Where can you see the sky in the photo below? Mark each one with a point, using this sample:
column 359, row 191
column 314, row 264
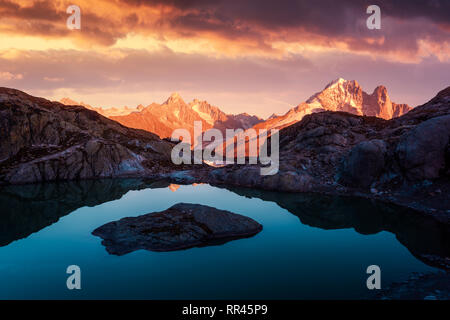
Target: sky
column 254, row 56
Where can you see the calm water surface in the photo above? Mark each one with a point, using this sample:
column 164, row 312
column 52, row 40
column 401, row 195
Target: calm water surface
column 311, row 247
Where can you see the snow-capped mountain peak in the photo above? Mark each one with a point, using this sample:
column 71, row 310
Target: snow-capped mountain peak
column 174, row 98
column 341, row 95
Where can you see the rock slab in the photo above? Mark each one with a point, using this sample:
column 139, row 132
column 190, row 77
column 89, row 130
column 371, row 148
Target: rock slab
column 179, row 227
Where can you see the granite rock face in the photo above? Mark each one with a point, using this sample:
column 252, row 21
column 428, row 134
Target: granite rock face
column 48, row 141
column 181, row 226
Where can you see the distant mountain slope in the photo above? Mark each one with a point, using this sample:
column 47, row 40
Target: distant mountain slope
column 341, row 95
column 107, row 112
column 163, row 119
column 174, row 113
column 45, row 141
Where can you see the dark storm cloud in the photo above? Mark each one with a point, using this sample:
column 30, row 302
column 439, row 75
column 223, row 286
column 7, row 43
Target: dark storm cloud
column 255, row 24
column 322, row 15
column 323, row 22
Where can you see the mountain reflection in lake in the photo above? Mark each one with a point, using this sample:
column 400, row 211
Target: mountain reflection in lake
column 312, row 246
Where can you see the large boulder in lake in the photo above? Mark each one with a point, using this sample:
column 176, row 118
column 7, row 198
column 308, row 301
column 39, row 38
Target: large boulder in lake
column 181, row 226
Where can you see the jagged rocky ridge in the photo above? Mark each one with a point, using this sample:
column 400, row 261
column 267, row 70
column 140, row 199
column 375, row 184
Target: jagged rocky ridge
column 175, row 113
column 340, row 95
column 46, row 141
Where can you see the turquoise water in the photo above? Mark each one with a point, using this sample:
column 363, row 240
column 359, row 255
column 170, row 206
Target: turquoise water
column 322, row 257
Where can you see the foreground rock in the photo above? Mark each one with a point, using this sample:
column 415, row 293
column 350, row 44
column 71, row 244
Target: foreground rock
column 179, row 227
column 48, row 141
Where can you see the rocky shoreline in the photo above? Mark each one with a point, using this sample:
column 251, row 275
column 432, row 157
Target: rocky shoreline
column 419, row 286
column 430, row 203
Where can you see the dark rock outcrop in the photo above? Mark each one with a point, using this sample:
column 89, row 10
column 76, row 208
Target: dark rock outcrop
column 48, row 141
column 422, row 151
column 181, row 226
column 419, row 286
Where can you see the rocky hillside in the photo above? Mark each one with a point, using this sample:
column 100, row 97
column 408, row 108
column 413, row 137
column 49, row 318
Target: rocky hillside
column 44, row 141
column 404, row 160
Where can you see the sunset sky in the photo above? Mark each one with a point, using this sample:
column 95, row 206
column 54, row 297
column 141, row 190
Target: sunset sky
column 257, row 56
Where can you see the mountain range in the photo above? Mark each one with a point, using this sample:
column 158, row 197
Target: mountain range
column 174, row 113
column 162, row 119
column 339, row 95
